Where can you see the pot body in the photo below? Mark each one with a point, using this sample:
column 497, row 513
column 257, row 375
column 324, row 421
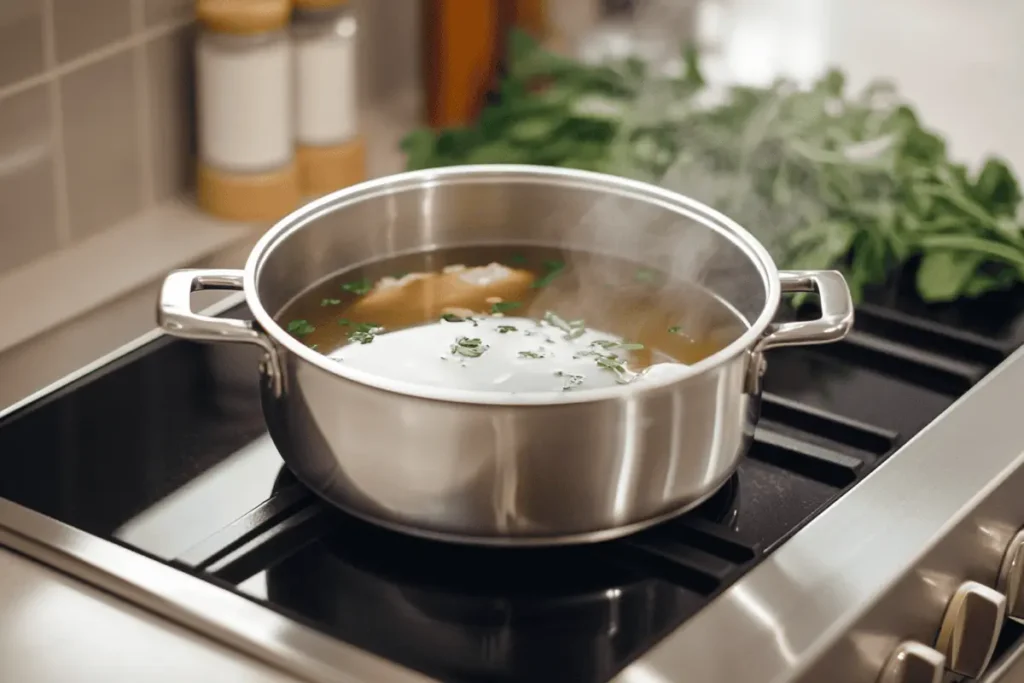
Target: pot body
column 505, row 470
column 533, row 474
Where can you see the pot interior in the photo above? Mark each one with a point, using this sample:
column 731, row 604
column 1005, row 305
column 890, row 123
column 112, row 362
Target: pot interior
column 515, row 205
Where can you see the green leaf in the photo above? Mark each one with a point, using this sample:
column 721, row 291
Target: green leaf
column 419, row 148
column 851, row 181
column 693, row 75
column 822, row 246
column 532, row 131
column 972, row 243
column 944, row 274
column 495, row 153
column 997, row 188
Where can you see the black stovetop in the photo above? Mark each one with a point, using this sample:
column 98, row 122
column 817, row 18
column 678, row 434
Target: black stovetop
column 165, row 451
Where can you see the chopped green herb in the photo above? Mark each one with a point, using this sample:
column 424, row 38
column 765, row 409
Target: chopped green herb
column 300, row 328
column 504, row 306
column 505, row 329
column 576, row 331
column 675, row 329
column 360, row 287
column 553, row 318
column 610, row 344
column 532, row 354
column 614, row 364
column 452, row 318
column 554, row 269
column 517, row 259
column 330, row 302
column 573, row 329
column 364, row 333
column 645, row 275
column 571, row 380
column 471, row 347
column 399, row 276
column 313, row 346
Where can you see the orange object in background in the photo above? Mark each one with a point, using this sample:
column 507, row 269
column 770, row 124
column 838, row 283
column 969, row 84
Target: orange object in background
column 531, row 16
column 463, row 44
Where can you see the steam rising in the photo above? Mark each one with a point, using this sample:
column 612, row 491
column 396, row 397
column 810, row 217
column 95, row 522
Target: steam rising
column 685, row 248
column 782, row 162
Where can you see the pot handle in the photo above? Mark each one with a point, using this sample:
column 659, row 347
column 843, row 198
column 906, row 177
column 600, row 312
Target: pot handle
column 174, row 314
column 174, row 310
column 836, row 310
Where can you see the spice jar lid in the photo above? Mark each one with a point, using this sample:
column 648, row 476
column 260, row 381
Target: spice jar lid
column 319, row 4
column 243, row 16
column 326, row 169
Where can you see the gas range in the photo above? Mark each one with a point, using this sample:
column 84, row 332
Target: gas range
column 151, row 475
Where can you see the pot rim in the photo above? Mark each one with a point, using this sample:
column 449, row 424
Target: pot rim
column 499, row 173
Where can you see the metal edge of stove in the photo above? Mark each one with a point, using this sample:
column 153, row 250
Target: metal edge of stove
column 877, row 566
column 770, row 626
column 194, row 603
column 1010, row 670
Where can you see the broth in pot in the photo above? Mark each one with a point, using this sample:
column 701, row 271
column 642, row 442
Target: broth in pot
column 511, row 319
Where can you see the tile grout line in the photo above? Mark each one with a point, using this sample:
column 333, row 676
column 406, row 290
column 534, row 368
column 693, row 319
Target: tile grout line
column 62, row 208
column 55, row 70
column 143, row 108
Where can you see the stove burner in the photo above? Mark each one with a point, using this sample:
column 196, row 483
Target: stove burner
column 468, row 613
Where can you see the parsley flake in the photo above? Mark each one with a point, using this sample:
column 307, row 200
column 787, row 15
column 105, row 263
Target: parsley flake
column 300, row 328
column 573, row 329
column 471, row 347
column 554, row 269
column 359, row 287
column 504, row 306
column 570, row 380
column 363, row 333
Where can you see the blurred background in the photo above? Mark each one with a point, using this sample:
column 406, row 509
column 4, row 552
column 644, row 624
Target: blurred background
column 99, row 136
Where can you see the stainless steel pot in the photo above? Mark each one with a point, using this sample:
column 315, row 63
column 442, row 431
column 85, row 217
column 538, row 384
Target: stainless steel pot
column 509, row 469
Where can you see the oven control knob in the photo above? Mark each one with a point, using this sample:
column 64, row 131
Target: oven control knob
column 1011, row 577
column 970, row 628
column 913, row 662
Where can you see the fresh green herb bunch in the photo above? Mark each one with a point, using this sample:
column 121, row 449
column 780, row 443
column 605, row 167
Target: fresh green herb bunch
column 825, row 178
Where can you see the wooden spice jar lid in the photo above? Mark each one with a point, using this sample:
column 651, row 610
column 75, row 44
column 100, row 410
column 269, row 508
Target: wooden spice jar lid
column 243, row 17
column 258, row 197
column 319, row 4
column 325, row 169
